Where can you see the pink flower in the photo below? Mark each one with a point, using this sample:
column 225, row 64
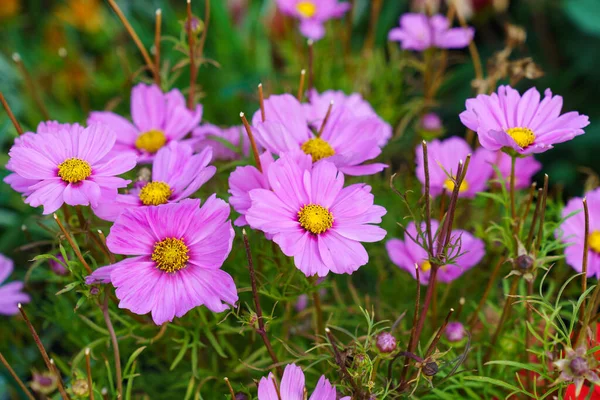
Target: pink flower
column 420, row 32
column 358, row 107
column 522, row 123
column 71, row 166
column 158, row 119
column 431, row 122
column 214, row 136
column 313, row 14
column 11, row 294
column 178, row 250
column 407, row 254
column 56, row 266
column 345, row 140
column 525, row 168
column 314, row 219
column 443, row 158
column 455, row 331
column 177, row 174
column 17, row 182
column 292, row 387
column 572, row 232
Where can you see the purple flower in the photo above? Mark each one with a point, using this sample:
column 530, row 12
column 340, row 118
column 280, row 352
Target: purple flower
column 292, row 387
column 177, row 174
column 73, row 166
column 420, row 32
column 455, row 331
column 56, row 266
column 158, row 119
column 313, row 14
column 314, row 219
column 344, row 142
column 525, row 168
column 522, row 123
column 178, row 250
column 11, row 294
column 443, row 158
column 17, row 182
column 386, row 342
column 208, row 135
column 358, row 107
column 431, row 122
column 572, row 232
column 407, row 254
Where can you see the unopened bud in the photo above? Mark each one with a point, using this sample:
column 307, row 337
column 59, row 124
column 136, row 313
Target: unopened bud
column 524, row 262
column 241, row 396
column 386, row 342
column 430, row 369
column 80, row 387
column 455, row 332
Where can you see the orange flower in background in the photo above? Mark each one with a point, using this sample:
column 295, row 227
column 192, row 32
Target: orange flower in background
column 84, row 15
column 9, row 8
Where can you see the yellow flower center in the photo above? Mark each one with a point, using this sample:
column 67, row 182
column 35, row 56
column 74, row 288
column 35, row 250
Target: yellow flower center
column 425, row 266
column 315, row 218
column 151, row 141
column 74, row 170
column 522, row 136
column 317, row 148
column 155, row 193
column 594, row 241
column 170, row 254
column 306, row 8
column 449, row 185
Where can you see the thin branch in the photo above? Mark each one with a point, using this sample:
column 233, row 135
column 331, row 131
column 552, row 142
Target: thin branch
column 252, row 141
column 475, row 316
column 325, row 119
column 88, row 366
column 16, row 378
column 310, row 44
column 157, row 28
column 11, row 115
column 301, row 86
column 73, row 245
column 115, row 345
column 342, row 365
column 191, row 45
column 261, row 102
column 31, row 86
column 231, row 391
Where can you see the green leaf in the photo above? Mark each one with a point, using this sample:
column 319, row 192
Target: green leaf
column 132, row 358
column 497, row 382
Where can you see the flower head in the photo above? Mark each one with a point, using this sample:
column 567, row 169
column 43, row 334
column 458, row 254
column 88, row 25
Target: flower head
column 71, row 165
column 177, row 173
column 344, row 141
column 314, row 219
column 178, row 250
column 521, row 123
column 11, row 293
column 212, row 135
column 577, row 367
column 572, row 232
column 444, row 156
column 292, row 387
column 420, row 32
column 313, row 14
column 386, row 342
column 158, row 119
column 407, row 254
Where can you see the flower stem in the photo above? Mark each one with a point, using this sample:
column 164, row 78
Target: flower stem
column 73, row 245
column 301, row 86
column 191, row 45
column 11, row 115
column 252, row 141
column 318, row 313
column 16, row 378
column 157, row 28
column 115, row 345
column 475, row 315
column 89, row 373
column 504, row 317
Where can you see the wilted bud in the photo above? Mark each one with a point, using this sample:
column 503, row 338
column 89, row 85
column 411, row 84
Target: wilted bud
column 455, row 332
column 524, row 262
column 515, row 35
column 430, row 369
column 196, row 25
column 44, row 383
column 241, row 396
column 80, row 387
column 579, row 366
column 94, row 291
column 386, row 342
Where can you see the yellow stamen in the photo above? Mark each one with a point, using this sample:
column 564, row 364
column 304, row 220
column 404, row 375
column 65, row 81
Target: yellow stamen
column 315, row 218
column 151, row 141
column 594, row 241
column 425, row 266
column 155, row 193
column 306, row 8
column 449, row 185
column 74, row 170
column 522, row 136
column 170, row 254
column 318, row 149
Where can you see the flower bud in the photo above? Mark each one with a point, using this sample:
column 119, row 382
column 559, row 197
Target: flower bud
column 241, row 396
column 430, row 369
column 80, row 387
column 579, row 366
column 455, row 332
column 386, row 342
column 524, row 262
column 44, row 383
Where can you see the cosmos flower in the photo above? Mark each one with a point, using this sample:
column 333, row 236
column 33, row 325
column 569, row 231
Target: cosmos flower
column 17, row 182
column 214, row 136
column 314, row 219
column 71, row 166
column 521, row 123
column 158, row 119
column 525, row 168
column 11, row 293
column 444, row 156
column 292, row 387
column 313, row 14
column 345, row 140
column 572, row 232
column 178, row 250
column 420, row 32
column 318, row 105
column 177, row 173
column 406, row 254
